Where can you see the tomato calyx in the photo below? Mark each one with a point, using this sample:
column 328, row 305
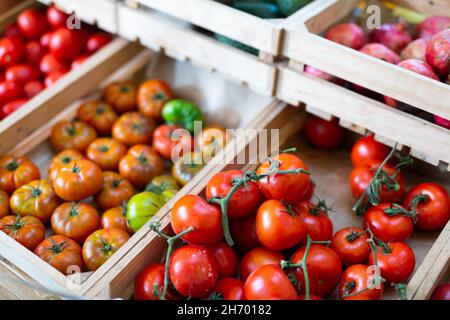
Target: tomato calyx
column 17, row 225
column 103, row 149
column 107, row 248
column 348, row 288
column 291, row 209
column 116, row 183
column 124, row 89
column 71, row 131
column 74, row 210
column 12, row 165
column 66, row 160
column 215, row 296
column 137, row 127
column 57, row 248
column 36, row 192
column 159, row 96
column 402, row 290
column 353, row 236
column 142, row 159
column 75, row 168
column 100, row 109
column 319, row 209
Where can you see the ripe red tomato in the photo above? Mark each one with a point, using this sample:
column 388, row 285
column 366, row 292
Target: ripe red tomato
column 324, row 134
column 9, row 91
column 97, row 41
column 149, row 284
column 193, row 272
column 50, row 63
column 388, row 227
column 115, row 192
column 168, row 142
column 318, row 225
column 29, row 231
column 243, row 232
column 205, row 218
column 324, row 269
column 309, row 193
column 397, row 264
column 56, row 17
column 22, row 73
column 367, row 149
column 351, row 245
column 433, row 213
column 361, row 177
column 269, row 282
column 279, row 226
column 32, row 24
column 34, row 52
column 441, row 293
column 64, row 157
column 66, row 44
column 16, row 172
column 246, row 199
column 230, row 289
column 356, row 279
column 52, row 77
column 33, row 88
column 256, row 258
column 226, row 259
column 12, row 106
column 12, row 51
column 12, row 30
column 45, row 39
column 288, row 187
column 78, row 61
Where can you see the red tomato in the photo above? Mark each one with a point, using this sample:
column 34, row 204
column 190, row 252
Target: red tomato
column 324, row 269
column 361, row 177
column 318, row 225
column 193, row 272
column 149, row 284
column 269, row 282
column 356, row 279
column 97, row 41
column 33, row 88
column 433, row 213
column 309, row 193
column 288, row 187
column 246, row 199
column 230, row 289
column 351, row 246
column 52, row 77
column 12, row 51
column 193, row 211
column 367, row 149
column 45, row 40
column 279, row 226
column 169, row 143
column 397, row 264
column 12, row 106
column 78, row 61
column 256, row 258
column 311, row 297
column 34, row 52
column 324, row 134
column 441, row 293
column 32, row 24
column 388, row 227
column 22, row 73
column 66, row 44
column 9, row 91
column 226, row 258
column 50, row 63
column 56, row 17
column 243, row 232
column 12, row 30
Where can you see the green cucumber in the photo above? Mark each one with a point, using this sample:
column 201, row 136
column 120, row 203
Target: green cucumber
column 236, row 44
column 288, row 7
column 259, row 9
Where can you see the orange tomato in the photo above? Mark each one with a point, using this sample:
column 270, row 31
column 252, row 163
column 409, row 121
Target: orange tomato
column 15, row 172
column 115, row 218
column 68, row 156
column 211, row 140
column 72, row 135
column 121, row 95
column 100, row 115
column 133, row 128
column 106, row 152
column 166, row 141
column 115, row 192
column 151, row 97
column 4, row 204
column 28, row 231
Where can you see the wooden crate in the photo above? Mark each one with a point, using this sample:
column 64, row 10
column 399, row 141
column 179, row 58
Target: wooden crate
column 182, row 42
column 304, row 45
column 187, row 80
column 103, row 13
column 52, row 100
column 329, row 170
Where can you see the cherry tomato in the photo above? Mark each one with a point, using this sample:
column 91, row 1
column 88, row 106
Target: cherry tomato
column 133, row 128
column 12, row 30
column 66, row 44
column 69, row 156
column 351, row 246
column 50, row 63
column 34, row 52
column 361, row 177
column 16, row 172
column 288, row 187
column 22, row 73
column 355, row 281
column 387, row 227
column 269, row 282
column 324, row 269
column 9, row 91
column 433, row 213
column 97, row 41
column 28, row 231
column 441, row 293
column 78, row 61
column 33, row 88
column 230, row 289
column 243, row 232
column 115, row 218
column 246, row 199
column 226, row 259
column 106, row 152
column 4, row 204
column 318, row 225
column 193, row 271
column 121, row 95
column 324, row 134
column 12, row 51
column 171, row 143
column 75, row 220
column 56, row 17
column 32, row 24
column 397, row 263
column 53, row 77
column 101, row 245
column 62, row 253
column 149, row 284
column 205, row 218
column 279, row 226
column 101, row 116
column 256, row 258
column 115, row 192
column 309, row 193
column 72, row 135
column 44, row 41
column 368, row 149
column 13, row 106
column 151, row 97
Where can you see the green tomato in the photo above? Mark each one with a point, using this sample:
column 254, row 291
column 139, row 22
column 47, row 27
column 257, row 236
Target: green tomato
column 288, row 7
column 141, row 207
column 182, row 113
column 168, row 194
column 162, row 183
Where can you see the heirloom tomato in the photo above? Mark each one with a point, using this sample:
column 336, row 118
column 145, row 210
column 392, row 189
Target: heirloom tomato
column 171, row 142
column 106, row 152
column 358, row 283
column 28, row 231
column 116, row 218
column 351, row 245
column 141, row 208
column 256, row 258
column 151, row 97
column 100, row 115
column 162, row 183
column 211, row 140
column 149, row 284
column 269, row 282
column 72, row 135
column 4, row 204
column 116, row 191
column 15, row 172
column 186, row 167
column 121, row 95
column 133, row 128
column 69, row 156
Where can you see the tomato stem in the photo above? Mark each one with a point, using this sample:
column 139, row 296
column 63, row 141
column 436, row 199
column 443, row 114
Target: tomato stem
column 402, row 290
column 12, row 166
